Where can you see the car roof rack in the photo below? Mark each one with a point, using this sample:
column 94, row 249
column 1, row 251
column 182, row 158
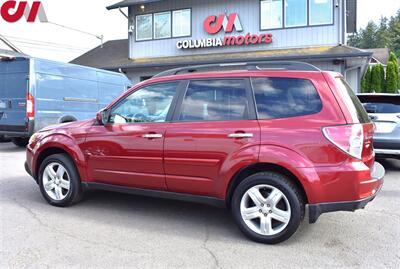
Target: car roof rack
column 251, row 66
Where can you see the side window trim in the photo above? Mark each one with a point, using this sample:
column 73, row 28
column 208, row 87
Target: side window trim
column 181, row 86
column 249, row 95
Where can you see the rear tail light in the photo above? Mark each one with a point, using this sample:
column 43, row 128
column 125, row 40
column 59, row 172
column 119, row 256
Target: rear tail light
column 348, row 138
column 30, row 106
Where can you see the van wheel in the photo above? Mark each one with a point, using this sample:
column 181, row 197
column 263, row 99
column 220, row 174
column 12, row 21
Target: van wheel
column 59, row 181
column 3, row 139
column 267, row 207
column 20, row 141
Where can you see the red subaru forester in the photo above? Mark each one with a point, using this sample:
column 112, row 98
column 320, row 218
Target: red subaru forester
column 262, row 139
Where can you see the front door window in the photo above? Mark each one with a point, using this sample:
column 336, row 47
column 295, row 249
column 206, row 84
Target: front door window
column 147, row 105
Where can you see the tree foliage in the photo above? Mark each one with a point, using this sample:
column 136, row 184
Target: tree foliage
column 391, row 78
column 366, row 81
column 376, row 79
column 384, row 35
column 395, row 61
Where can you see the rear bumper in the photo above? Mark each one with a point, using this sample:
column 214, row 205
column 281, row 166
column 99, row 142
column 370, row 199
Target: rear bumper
column 12, row 131
column 315, row 210
column 387, row 147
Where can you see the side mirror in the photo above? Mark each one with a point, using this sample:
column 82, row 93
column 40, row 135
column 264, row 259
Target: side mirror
column 102, row 117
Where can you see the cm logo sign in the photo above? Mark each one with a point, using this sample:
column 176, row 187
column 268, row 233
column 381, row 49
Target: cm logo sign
column 13, row 11
column 214, row 24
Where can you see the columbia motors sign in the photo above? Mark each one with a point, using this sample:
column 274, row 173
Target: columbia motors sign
column 13, row 11
column 227, row 23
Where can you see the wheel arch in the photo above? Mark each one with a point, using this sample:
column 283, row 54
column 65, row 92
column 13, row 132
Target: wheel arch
column 67, row 118
column 262, row 167
column 46, row 153
column 61, row 145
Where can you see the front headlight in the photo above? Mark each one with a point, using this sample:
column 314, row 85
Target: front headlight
column 34, row 138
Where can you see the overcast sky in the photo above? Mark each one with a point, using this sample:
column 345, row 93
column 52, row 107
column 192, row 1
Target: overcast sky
column 91, row 16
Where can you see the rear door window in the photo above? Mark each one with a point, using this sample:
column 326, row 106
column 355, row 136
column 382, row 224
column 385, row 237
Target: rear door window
column 285, row 97
column 215, row 100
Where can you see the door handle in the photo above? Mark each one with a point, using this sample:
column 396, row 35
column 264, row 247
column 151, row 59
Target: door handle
column 240, row 135
column 152, row 136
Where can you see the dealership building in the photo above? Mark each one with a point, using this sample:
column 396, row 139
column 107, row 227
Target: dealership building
column 170, row 33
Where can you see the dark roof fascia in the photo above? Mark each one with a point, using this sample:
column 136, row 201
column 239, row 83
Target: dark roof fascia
column 127, row 4
column 277, row 58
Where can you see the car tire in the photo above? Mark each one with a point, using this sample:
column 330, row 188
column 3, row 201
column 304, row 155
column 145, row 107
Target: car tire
column 60, row 188
column 3, row 139
column 272, row 217
column 21, row 141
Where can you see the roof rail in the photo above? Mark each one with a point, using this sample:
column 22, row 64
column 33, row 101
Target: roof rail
column 252, row 66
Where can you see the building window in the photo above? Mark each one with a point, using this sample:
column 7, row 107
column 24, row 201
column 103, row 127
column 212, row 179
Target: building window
column 295, row 13
column 275, row 14
column 162, row 25
column 271, row 14
column 321, row 12
column 144, row 27
column 181, row 23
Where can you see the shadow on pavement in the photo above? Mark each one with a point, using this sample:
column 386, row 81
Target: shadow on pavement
column 390, row 164
column 10, row 147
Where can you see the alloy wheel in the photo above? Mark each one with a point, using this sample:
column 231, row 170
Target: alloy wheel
column 56, row 181
column 265, row 210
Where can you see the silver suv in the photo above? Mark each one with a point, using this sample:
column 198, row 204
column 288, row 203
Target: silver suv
column 384, row 111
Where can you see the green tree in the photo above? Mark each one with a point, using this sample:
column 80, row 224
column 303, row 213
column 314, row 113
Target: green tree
column 368, row 36
column 382, row 77
column 395, row 61
column 391, row 80
column 376, row 80
column 394, row 32
column 354, row 40
column 366, row 81
column 383, row 37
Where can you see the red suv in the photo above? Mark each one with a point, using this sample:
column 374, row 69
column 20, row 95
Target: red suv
column 265, row 142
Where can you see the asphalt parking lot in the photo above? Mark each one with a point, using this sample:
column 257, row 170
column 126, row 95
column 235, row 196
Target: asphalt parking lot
column 109, row 230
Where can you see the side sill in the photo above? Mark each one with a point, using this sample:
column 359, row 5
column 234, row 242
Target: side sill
column 157, row 194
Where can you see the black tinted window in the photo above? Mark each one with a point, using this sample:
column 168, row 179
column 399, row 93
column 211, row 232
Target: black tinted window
column 375, row 103
column 215, row 100
column 382, row 108
column 285, row 97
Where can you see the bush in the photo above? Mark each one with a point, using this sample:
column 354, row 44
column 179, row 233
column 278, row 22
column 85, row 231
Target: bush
column 376, row 79
column 394, row 60
column 366, row 81
column 391, row 78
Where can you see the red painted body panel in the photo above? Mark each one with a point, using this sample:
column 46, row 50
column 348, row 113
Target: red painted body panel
column 199, row 158
column 199, row 155
column 118, row 154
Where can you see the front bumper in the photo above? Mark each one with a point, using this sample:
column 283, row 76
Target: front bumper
column 315, row 210
column 28, row 169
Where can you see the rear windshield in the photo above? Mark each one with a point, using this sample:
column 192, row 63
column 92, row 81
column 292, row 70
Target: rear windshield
column 285, row 97
column 352, row 102
column 385, row 104
column 382, row 108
